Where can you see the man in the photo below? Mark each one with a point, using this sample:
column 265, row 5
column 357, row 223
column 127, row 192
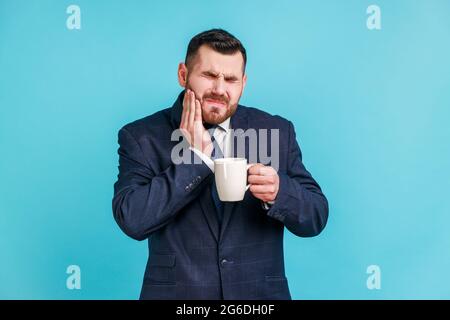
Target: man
column 200, row 247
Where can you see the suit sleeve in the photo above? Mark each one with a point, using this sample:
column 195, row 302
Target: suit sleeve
column 300, row 203
column 145, row 201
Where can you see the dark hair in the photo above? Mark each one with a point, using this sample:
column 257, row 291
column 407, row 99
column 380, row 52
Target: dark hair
column 217, row 39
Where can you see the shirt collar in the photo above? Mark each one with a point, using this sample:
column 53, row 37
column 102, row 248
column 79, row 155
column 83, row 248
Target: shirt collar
column 225, row 125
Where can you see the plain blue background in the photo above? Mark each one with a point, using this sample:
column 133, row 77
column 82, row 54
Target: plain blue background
column 371, row 110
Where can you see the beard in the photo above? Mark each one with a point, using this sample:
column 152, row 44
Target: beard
column 216, row 108
column 214, row 112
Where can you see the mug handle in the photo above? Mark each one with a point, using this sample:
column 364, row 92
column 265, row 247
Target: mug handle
column 248, row 167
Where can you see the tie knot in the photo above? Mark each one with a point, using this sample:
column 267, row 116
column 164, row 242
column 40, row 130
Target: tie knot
column 209, row 126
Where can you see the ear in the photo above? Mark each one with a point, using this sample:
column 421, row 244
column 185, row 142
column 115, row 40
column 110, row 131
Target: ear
column 182, row 74
column 244, row 81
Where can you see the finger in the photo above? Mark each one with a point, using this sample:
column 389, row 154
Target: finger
column 266, row 188
column 260, row 169
column 186, row 134
column 198, row 111
column 192, row 108
column 267, row 171
column 254, row 169
column 258, row 179
column 263, row 196
column 186, row 94
column 189, row 108
column 185, row 108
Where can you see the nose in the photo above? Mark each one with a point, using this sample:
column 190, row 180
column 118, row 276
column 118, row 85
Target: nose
column 219, row 86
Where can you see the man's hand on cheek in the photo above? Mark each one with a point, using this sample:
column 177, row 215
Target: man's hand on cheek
column 264, row 182
column 192, row 125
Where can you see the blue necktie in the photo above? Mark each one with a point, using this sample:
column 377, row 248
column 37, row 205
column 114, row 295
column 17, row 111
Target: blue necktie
column 216, row 153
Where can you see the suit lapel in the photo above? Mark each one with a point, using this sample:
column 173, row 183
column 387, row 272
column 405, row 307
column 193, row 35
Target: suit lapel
column 209, row 211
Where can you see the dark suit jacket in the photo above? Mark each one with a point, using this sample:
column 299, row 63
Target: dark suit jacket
column 190, row 255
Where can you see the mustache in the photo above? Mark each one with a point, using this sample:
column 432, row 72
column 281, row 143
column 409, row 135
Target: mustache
column 223, row 99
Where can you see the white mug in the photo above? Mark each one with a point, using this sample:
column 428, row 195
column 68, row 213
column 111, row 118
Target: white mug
column 231, row 178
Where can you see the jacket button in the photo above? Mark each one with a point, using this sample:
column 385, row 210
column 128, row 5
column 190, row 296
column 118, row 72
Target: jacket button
column 225, row 262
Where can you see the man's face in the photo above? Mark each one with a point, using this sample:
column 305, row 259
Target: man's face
column 217, row 81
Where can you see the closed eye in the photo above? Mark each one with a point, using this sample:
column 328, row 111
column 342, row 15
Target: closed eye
column 210, row 74
column 213, row 75
column 231, row 79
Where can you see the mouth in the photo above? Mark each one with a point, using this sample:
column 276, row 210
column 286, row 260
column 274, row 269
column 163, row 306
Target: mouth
column 215, row 102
